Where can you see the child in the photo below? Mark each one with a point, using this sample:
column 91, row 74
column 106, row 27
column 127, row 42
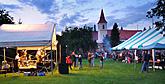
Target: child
column 69, row 62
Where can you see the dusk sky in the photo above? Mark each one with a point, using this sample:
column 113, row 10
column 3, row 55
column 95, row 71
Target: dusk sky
column 127, row 13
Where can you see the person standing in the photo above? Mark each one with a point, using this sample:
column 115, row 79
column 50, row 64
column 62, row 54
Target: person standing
column 16, row 61
column 76, row 61
column 92, row 60
column 80, row 61
column 145, row 60
column 101, row 60
column 73, row 57
column 89, row 58
column 105, row 55
column 69, row 62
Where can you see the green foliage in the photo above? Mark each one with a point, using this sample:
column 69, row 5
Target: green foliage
column 158, row 11
column 115, row 38
column 5, row 18
column 79, row 39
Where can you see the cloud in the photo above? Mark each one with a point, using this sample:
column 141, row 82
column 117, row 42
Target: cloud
column 29, row 15
column 2, row 6
column 45, row 6
column 83, row 1
column 78, row 12
column 131, row 14
column 9, row 2
column 69, row 20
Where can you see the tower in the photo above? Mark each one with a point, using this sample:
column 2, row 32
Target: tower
column 102, row 28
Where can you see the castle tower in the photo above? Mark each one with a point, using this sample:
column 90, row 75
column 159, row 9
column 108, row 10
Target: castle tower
column 102, row 28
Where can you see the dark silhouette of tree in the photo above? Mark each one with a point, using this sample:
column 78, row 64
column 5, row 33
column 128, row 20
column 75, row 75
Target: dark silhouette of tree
column 158, row 11
column 78, row 39
column 115, row 39
column 121, row 28
column 94, row 27
column 5, row 18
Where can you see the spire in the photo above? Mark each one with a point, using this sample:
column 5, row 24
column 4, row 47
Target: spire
column 102, row 18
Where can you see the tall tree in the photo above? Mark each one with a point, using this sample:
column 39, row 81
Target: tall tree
column 115, row 38
column 5, row 18
column 79, row 39
column 158, row 11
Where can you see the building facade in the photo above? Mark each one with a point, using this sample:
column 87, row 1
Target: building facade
column 99, row 35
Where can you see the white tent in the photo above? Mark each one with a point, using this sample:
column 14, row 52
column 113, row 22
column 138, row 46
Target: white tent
column 29, row 37
column 153, row 40
column 121, row 45
column 147, row 38
column 140, row 38
column 138, row 35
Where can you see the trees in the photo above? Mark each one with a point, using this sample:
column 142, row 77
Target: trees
column 5, row 18
column 158, row 11
column 115, row 39
column 79, row 39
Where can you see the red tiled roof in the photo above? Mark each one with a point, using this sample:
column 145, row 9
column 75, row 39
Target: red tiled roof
column 124, row 34
column 102, row 18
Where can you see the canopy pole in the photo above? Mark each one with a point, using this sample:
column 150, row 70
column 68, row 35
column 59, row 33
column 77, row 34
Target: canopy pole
column 56, row 59
column 51, row 59
column 135, row 59
column 56, row 55
column 135, row 55
column 60, row 54
column 4, row 54
column 153, row 59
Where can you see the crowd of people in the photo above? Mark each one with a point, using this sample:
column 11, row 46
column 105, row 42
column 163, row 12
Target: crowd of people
column 75, row 60
column 125, row 56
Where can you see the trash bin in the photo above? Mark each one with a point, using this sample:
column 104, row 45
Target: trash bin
column 63, row 68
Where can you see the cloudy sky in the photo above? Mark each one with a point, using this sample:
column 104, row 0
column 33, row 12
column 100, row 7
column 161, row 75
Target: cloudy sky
column 127, row 13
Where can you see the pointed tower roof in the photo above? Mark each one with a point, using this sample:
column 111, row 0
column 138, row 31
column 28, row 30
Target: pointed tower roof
column 102, row 18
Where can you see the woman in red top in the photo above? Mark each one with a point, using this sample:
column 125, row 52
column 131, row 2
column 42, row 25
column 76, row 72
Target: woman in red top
column 69, row 61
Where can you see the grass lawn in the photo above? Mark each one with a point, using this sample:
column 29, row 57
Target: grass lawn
column 112, row 73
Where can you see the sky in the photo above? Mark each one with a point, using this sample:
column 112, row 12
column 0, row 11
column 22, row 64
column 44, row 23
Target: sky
column 130, row 14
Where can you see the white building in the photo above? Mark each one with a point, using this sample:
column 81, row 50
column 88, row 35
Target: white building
column 102, row 28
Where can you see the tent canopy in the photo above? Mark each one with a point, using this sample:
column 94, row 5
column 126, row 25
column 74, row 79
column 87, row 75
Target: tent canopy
column 155, row 46
column 28, row 36
column 146, row 38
